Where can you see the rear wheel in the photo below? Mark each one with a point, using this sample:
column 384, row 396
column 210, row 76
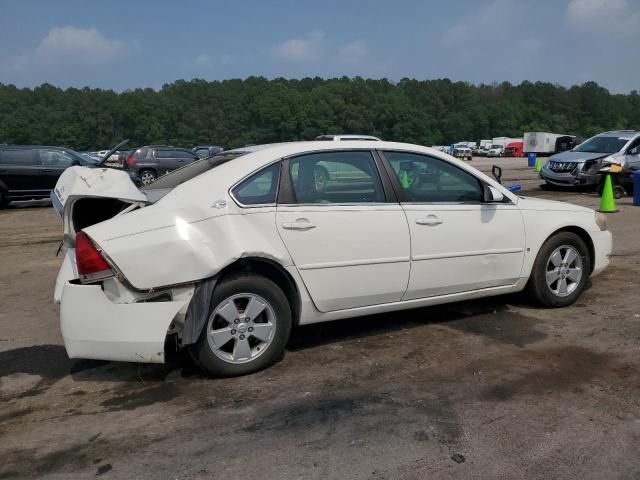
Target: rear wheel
column 247, row 329
column 4, row 199
column 560, row 271
column 147, row 177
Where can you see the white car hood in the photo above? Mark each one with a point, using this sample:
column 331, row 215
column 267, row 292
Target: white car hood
column 528, row 203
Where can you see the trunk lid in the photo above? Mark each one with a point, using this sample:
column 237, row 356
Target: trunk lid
column 86, row 196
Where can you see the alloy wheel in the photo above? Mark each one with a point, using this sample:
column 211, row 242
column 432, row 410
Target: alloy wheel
column 241, row 328
column 564, row 270
column 147, row 177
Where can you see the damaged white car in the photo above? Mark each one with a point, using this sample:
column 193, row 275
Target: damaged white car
column 227, row 254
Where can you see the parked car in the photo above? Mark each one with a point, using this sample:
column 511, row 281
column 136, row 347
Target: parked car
column 149, row 162
column 545, row 143
column 581, row 166
column 226, row 256
column 338, row 138
column 31, row 171
column 464, row 152
column 495, row 151
column 204, row 151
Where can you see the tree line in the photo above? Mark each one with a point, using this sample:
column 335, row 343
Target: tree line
column 256, row 110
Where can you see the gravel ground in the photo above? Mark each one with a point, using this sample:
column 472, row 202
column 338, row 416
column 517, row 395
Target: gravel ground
column 483, row 389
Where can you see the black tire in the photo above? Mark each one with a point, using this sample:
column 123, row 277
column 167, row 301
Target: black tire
column 4, row 199
column 618, row 191
column 245, row 283
column 537, row 286
column 147, row 174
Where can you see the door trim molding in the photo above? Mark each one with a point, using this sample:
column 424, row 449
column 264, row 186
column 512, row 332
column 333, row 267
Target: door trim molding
column 353, row 263
column 472, row 253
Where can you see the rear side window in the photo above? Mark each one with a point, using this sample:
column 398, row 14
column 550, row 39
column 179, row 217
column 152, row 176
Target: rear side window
column 202, row 152
column 260, row 188
column 165, row 154
column 20, row 156
column 342, row 177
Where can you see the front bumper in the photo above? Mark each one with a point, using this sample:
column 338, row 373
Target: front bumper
column 94, row 327
column 574, row 178
column 602, row 245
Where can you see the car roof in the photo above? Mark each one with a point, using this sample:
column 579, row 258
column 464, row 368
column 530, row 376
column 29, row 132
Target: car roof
column 618, row 133
column 347, row 136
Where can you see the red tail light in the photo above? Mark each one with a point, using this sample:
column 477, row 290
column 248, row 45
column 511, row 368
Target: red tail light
column 131, row 160
column 89, row 261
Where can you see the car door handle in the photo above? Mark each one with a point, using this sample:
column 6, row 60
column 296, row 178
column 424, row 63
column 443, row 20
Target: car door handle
column 430, row 220
column 299, row 224
column 46, row 170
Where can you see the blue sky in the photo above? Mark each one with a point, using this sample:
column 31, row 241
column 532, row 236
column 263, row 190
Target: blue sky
column 128, row 44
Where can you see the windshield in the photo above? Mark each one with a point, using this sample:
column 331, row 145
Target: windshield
column 602, row 145
column 88, row 158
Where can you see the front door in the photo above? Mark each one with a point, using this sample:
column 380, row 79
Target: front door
column 458, row 242
column 349, row 244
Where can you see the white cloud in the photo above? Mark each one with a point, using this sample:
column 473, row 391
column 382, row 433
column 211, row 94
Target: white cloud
column 354, row 51
column 484, row 23
column 618, row 16
column 304, row 49
column 79, row 45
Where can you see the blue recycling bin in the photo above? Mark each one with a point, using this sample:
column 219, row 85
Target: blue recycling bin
column 531, row 159
column 636, row 188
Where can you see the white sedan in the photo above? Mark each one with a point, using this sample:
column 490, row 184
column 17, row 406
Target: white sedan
column 226, row 255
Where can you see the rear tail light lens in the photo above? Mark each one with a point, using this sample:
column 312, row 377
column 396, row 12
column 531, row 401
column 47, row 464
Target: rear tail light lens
column 90, row 263
column 131, row 160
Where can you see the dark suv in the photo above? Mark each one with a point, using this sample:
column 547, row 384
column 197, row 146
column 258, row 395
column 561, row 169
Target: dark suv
column 155, row 160
column 30, row 172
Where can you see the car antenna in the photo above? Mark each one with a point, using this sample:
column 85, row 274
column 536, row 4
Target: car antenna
column 112, row 151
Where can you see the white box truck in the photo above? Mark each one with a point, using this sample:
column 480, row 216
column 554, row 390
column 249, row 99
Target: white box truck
column 545, row 143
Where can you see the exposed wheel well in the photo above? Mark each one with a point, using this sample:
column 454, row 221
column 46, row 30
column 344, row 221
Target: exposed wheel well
column 586, row 238
column 273, row 271
column 148, row 169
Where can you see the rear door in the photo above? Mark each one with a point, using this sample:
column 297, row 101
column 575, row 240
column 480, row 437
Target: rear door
column 20, row 169
column 348, row 238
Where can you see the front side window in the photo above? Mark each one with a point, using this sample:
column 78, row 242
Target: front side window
column 426, row 179
column 184, row 154
column 336, row 178
column 55, row 158
column 260, row 188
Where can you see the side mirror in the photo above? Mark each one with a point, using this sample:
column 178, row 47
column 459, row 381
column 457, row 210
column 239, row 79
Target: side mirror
column 492, row 195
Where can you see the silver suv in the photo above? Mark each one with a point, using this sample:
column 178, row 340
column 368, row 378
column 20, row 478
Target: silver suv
column 580, row 166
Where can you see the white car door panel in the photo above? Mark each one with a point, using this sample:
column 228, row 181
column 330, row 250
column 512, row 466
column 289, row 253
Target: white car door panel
column 349, row 245
column 457, row 248
column 459, row 243
column 348, row 256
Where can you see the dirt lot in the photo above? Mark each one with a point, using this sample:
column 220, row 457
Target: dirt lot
column 484, row 389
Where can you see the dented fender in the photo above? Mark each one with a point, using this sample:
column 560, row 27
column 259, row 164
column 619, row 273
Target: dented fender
column 181, row 246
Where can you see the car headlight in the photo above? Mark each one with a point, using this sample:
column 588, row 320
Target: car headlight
column 601, row 220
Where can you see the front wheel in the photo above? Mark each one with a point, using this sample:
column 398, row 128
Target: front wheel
column 561, row 270
column 247, row 329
